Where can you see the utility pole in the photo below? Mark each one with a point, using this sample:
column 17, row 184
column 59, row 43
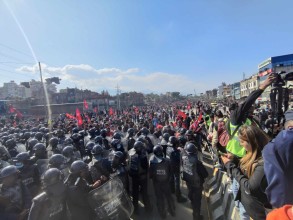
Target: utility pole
column 44, row 92
column 118, row 97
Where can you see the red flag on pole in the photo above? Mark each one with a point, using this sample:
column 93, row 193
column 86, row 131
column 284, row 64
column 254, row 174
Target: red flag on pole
column 96, row 109
column 85, row 105
column 111, row 112
column 78, row 117
column 182, row 114
column 11, row 109
column 18, row 114
column 188, row 105
column 69, row 116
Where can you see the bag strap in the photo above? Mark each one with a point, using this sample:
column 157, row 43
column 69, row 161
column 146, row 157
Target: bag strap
column 234, row 132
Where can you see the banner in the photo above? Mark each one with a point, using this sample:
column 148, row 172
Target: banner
column 79, row 118
column 181, row 114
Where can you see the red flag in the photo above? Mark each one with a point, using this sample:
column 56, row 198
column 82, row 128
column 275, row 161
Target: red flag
column 85, row 105
column 199, row 117
column 11, row 109
column 78, row 117
column 111, row 112
column 182, row 114
column 188, row 105
column 96, row 109
column 69, row 116
column 136, row 109
column 18, row 114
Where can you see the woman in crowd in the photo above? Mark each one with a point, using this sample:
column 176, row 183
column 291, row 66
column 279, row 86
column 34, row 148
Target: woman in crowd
column 249, row 171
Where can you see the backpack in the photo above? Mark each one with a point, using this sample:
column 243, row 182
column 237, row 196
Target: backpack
column 223, row 134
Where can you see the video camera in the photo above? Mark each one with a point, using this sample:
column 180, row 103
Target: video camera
column 281, row 79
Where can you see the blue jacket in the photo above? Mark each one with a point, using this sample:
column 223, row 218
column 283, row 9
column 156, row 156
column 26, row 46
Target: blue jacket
column 278, row 166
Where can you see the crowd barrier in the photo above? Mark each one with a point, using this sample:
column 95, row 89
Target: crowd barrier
column 220, row 199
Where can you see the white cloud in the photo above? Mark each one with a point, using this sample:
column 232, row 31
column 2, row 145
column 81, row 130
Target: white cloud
column 132, row 79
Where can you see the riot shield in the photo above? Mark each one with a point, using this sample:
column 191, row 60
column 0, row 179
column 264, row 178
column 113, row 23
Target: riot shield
column 20, row 147
column 110, row 201
column 42, row 165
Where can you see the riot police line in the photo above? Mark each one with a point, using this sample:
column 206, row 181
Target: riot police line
column 95, row 174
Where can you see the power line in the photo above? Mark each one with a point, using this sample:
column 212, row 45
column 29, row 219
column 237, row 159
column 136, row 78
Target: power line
column 16, row 50
column 22, row 74
column 12, row 57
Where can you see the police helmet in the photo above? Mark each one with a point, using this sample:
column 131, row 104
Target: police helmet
column 158, row 151
column 117, row 136
column 99, row 139
column 52, row 177
column 39, row 136
column 189, row 133
column 166, row 136
column 172, row 141
column 103, row 133
column 53, row 142
column 23, row 156
column 39, row 148
column 78, row 166
column 57, row 161
column 130, row 131
column 97, row 150
column 32, row 143
column 190, row 148
column 90, row 145
column 145, row 131
column 68, row 151
column 8, row 171
column 11, row 143
column 68, row 141
column 75, row 137
column 182, row 131
column 138, row 146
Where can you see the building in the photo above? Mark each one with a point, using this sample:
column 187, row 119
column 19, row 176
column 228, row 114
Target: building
column 227, row 91
column 274, row 64
column 235, row 90
column 220, row 91
column 249, row 85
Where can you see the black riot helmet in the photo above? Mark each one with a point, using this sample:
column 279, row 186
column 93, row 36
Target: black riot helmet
column 145, row 131
column 92, row 132
column 166, row 136
column 11, row 143
column 68, row 152
column 75, row 137
column 190, row 148
column 90, row 145
column 138, row 146
column 23, row 157
column 8, row 171
column 75, row 130
column 32, row 143
column 26, row 135
column 78, row 166
column 52, row 177
column 173, row 141
column 182, row 131
column 53, row 142
column 68, row 141
column 39, row 136
column 130, row 132
column 97, row 150
column 117, row 136
column 104, row 133
column 57, row 161
column 99, row 139
column 40, row 150
column 182, row 141
column 158, row 151
column 116, row 145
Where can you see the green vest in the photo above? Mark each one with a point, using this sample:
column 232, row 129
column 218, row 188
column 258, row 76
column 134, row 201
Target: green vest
column 233, row 145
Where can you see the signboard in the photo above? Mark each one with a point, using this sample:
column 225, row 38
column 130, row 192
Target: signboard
column 266, row 62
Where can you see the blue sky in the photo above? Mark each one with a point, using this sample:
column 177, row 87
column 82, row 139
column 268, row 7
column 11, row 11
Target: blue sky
column 148, row 46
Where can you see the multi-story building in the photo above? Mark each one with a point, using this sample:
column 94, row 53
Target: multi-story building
column 227, row 91
column 249, row 85
column 235, row 90
column 275, row 64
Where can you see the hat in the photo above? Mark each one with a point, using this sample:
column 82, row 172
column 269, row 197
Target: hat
column 289, row 115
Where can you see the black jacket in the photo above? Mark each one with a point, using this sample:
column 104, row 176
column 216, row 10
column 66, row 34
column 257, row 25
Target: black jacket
column 252, row 190
column 239, row 115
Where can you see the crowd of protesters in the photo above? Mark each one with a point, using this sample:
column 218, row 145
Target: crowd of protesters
column 49, row 169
